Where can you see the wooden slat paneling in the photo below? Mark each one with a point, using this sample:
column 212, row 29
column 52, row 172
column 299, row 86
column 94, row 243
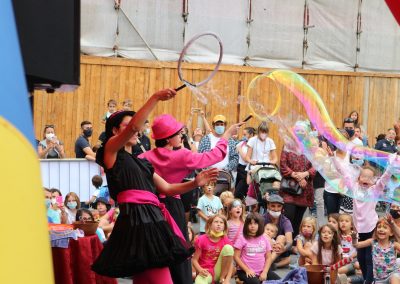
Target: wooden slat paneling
column 106, row 78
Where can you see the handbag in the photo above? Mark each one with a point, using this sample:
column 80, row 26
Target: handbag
column 291, row 186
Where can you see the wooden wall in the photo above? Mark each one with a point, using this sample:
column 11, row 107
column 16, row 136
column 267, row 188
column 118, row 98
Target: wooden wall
column 375, row 96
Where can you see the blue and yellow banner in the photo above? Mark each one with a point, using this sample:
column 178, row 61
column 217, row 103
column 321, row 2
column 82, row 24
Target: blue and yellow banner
column 25, row 255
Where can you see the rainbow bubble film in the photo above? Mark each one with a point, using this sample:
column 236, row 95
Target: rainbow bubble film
column 302, row 127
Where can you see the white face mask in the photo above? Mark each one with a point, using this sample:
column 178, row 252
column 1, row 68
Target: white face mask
column 53, row 201
column 274, row 214
column 263, row 136
column 49, row 136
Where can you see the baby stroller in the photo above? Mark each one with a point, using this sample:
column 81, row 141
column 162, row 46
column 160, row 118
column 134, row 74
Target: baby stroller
column 265, row 179
column 224, row 182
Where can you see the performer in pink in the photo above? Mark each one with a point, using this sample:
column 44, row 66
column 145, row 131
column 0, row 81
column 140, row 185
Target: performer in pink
column 145, row 239
column 174, row 163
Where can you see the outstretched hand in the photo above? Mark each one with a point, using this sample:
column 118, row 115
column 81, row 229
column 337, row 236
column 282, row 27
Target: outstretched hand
column 206, row 177
column 232, row 130
column 165, row 94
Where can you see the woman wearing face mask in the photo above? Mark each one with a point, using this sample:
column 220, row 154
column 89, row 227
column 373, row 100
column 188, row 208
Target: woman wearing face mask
column 50, row 147
column 261, row 148
column 296, row 167
column 173, row 163
column 72, row 204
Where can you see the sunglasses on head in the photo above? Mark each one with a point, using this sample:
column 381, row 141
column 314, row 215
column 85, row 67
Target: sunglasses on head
column 236, row 203
column 49, row 126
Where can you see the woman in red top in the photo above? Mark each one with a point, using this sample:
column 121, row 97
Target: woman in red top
column 297, row 166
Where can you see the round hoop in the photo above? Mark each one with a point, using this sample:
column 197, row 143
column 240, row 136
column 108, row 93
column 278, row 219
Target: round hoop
column 185, row 48
column 268, row 75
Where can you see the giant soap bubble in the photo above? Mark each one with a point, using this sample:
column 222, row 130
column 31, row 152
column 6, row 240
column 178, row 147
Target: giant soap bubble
column 288, row 100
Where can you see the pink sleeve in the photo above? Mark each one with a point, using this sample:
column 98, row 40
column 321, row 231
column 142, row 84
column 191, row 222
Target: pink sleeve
column 382, row 182
column 110, row 215
column 203, row 160
column 314, row 248
column 267, row 244
column 239, row 244
column 144, row 155
column 198, row 243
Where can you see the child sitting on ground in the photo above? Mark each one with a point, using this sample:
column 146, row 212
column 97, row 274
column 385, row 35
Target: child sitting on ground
column 253, row 251
column 346, row 229
column 213, row 257
column 236, row 214
column 226, row 198
column 327, row 250
column 305, row 239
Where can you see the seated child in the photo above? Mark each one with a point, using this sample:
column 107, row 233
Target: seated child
column 346, row 229
column 327, row 250
column 236, row 213
column 253, row 251
column 213, row 257
column 84, row 215
column 305, row 239
column 226, row 198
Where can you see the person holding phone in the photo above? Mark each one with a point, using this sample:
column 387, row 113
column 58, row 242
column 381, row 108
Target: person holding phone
column 57, row 209
column 50, row 147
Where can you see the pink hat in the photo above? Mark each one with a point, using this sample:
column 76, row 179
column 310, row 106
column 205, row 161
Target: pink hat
column 164, row 126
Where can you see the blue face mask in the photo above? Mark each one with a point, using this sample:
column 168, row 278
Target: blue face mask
column 219, row 129
column 359, row 163
column 244, row 138
column 72, row 205
column 47, row 202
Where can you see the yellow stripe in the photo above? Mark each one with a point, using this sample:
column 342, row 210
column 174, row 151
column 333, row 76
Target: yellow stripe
column 25, row 255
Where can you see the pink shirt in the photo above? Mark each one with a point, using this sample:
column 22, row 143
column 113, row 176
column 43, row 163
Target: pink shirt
column 253, row 252
column 209, row 251
column 175, row 165
column 234, row 231
column 364, row 214
column 325, row 253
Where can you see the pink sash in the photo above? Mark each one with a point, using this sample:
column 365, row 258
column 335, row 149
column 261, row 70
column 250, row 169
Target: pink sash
column 146, row 197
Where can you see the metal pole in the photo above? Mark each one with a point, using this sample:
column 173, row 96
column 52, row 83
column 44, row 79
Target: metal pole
column 145, row 42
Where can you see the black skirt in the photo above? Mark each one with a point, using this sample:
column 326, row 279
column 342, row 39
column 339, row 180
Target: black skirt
column 141, row 240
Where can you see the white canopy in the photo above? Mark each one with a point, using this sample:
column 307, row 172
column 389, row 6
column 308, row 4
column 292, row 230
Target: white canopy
column 343, row 35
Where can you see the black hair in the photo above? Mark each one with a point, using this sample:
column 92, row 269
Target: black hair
column 113, row 121
column 258, row 219
column 160, row 143
column 349, row 120
column 80, row 212
column 97, row 181
column 52, row 190
column 85, row 122
column 250, row 130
